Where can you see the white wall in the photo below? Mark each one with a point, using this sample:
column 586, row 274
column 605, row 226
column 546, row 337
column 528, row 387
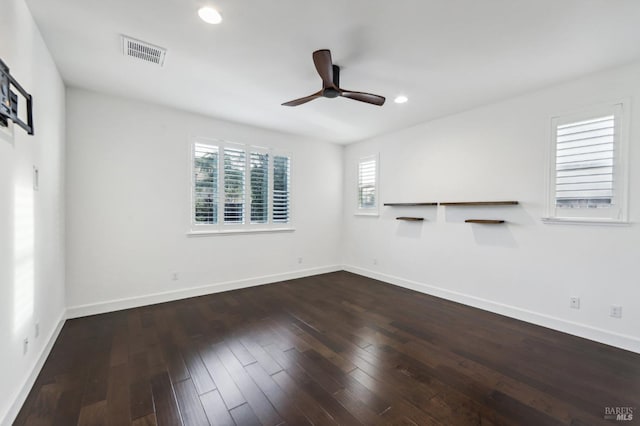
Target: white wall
column 31, row 223
column 525, row 268
column 128, row 197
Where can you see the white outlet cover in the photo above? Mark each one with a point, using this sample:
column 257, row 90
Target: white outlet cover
column 616, row 311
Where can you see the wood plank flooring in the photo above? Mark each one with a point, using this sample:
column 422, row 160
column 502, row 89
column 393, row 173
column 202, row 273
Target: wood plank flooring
column 331, row 349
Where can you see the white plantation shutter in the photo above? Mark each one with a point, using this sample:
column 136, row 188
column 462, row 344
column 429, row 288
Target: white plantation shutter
column 237, row 187
column 367, row 183
column 588, row 177
column 205, row 184
column 234, row 185
column 281, row 189
column 259, row 181
column 584, row 163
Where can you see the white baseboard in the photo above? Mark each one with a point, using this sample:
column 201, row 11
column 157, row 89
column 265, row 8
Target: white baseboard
column 24, row 390
column 622, row 341
column 168, row 296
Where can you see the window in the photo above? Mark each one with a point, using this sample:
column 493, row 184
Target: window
column 205, row 184
column 259, row 187
column 587, row 176
column 234, row 193
column 368, row 185
column 238, row 187
column 281, row 189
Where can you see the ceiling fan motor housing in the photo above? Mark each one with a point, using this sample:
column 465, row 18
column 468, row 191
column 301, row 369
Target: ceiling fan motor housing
column 332, row 92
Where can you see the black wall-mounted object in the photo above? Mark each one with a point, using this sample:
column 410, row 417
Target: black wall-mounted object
column 9, row 101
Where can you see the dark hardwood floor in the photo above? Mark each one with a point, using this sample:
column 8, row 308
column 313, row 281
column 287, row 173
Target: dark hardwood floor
column 331, row 349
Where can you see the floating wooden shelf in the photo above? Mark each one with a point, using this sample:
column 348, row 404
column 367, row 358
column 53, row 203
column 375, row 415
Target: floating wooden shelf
column 484, row 221
column 410, row 219
column 410, row 204
column 481, row 203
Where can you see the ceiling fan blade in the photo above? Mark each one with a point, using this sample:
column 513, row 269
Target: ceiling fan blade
column 363, row 97
column 304, row 100
column 324, row 66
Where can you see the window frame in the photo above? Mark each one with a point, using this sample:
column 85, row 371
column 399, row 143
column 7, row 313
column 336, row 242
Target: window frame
column 262, row 151
column 272, row 187
column 618, row 212
column 368, row 211
column 222, row 192
column 222, row 228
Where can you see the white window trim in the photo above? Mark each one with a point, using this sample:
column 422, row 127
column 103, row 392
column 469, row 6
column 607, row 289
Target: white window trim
column 553, row 215
column 288, row 225
column 237, row 232
column 221, row 228
column 372, row 211
column 586, row 221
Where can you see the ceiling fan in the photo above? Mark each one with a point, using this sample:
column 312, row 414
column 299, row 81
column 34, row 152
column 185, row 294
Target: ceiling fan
column 330, row 75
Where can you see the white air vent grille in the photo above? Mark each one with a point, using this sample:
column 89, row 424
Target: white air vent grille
column 142, row 50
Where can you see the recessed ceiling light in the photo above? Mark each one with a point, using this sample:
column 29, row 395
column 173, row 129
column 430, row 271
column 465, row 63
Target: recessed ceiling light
column 210, row 15
column 400, row 99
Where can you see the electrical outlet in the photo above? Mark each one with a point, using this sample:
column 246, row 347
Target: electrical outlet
column 616, row 311
column 174, row 276
column 25, row 346
column 375, row 261
column 574, row 302
column 299, row 260
column 37, row 327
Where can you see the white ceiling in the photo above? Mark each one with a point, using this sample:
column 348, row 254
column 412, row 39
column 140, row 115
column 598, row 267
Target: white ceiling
column 445, row 55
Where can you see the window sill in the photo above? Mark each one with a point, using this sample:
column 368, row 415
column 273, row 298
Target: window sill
column 212, row 233
column 583, row 221
column 364, row 213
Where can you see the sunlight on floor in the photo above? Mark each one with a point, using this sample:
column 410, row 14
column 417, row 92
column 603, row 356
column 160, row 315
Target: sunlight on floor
column 23, row 292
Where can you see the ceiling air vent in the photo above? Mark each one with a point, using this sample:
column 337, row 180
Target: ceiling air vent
column 142, row 50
